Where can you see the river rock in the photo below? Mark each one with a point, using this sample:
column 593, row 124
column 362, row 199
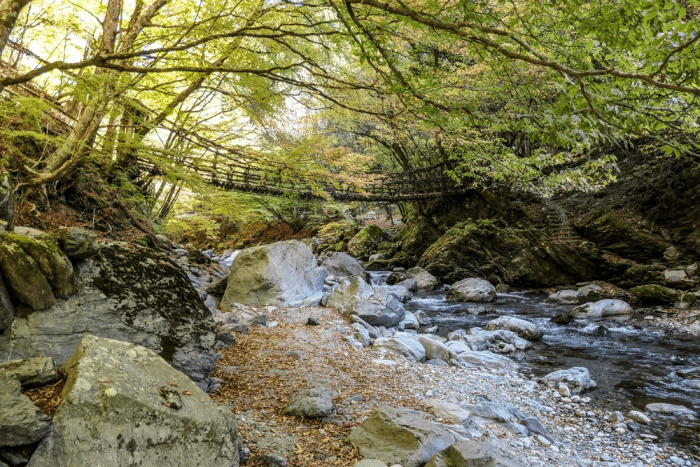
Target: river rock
column 458, row 346
column 655, row 294
column 280, row 274
column 639, row 417
column 435, row 350
column 565, row 297
column 472, row 290
column 478, row 336
column 689, row 372
column 410, row 284
column 678, row 279
column 21, row 422
column 602, row 308
column 217, row 288
column 31, row 372
column 127, row 293
column 577, row 378
column 669, row 409
column 402, row 344
column 401, row 436
column 686, row 301
column 381, row 293
column 488, row 360
column 473, row 453
column 370, row 463
column 521, row 327
column 356, row 297
column 424, row 280
column 409, row 321
column 311, row 403
column 591, row 293
column 7, row 309
column 344, row 265
column 124, row 405
column 447, row 411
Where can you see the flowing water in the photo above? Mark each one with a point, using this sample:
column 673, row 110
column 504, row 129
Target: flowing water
column 633, row 363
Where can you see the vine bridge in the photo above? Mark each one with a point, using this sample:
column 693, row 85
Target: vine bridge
column 409, row 185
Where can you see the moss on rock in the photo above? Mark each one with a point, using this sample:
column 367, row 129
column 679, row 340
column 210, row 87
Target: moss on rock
column 366, row 242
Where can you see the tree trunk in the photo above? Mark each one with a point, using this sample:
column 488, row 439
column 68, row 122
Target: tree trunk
column 9, row 11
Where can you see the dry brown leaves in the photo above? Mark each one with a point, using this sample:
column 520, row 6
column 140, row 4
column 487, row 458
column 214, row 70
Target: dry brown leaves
column 273, row 364
column 48, row 398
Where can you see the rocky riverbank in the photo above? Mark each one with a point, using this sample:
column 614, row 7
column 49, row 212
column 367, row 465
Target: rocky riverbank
column 319, row 365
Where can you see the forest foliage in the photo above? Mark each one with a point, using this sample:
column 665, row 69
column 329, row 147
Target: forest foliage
column 330, row 92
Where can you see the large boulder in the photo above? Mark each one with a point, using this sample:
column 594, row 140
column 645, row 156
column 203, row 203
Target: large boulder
column 472, row 290
column 21, row 422
column 281, row 274
column 52, row 262
column 366, row 241
column 521, row 327
column 424, row 280
column 356, row 297
column 401, row 436
column 601, row 309
column 655, row 294
column 474, row 453
column 125, row 405
column 344, row 265
column 577, row 378
column 7, row 309
column 24, row 277
column 126, row 293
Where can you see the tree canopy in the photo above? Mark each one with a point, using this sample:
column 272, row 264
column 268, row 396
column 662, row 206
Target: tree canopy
column 514, row 91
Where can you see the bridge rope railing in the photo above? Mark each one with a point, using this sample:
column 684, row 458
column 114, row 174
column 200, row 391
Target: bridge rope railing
column 416, row 184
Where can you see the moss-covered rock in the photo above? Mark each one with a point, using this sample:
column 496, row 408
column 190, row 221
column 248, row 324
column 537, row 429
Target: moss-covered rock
column 336, row 231
column 366, row 242
column 53, row 263
column 611, row 231
column 505, row 255
column 24, row 277
column 127, row 293
column 413, row 242
column 655, row 294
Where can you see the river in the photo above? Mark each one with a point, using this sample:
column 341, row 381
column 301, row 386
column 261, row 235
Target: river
column 633, row 362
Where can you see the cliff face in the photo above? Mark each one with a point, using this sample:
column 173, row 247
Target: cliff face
column 648, row 218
